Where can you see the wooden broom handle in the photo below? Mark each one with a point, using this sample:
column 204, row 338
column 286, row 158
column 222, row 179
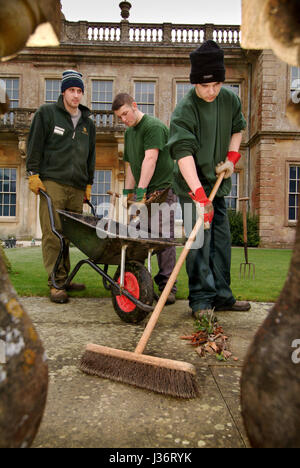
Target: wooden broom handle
column 164, row 295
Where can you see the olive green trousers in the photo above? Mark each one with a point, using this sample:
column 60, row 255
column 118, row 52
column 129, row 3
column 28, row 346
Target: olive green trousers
column 63, row 197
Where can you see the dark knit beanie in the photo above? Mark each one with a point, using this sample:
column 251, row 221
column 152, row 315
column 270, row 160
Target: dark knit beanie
column 71, row 79
column 207, row 64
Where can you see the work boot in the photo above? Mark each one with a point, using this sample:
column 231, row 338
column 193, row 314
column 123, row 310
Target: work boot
column 76, row 287
column 59, row 296
column 199, row 314
column 238, row 306
column 171, row 299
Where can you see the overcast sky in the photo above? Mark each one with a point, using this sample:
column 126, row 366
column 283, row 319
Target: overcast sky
column 156, row 11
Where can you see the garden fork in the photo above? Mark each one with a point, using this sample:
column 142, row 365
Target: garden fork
column 244, row 267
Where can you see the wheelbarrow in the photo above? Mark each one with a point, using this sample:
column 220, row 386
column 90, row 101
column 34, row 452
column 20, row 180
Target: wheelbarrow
column 131, row 286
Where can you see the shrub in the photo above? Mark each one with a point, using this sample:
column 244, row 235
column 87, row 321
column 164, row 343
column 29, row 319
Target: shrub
column 236, row 228
column 6, row 261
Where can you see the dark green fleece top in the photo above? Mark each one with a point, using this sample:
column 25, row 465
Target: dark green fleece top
column 149, row 133
column 204, row 130
column 57, row 151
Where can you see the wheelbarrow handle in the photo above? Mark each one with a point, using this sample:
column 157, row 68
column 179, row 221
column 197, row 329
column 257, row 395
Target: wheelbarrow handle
column 60, row 237
column 51, row 215
column 90, row 205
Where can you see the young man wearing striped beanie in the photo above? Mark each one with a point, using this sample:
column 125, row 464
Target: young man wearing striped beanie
column 61, row 161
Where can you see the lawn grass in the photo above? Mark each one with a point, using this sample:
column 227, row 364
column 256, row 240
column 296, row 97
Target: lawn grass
column 271, row 266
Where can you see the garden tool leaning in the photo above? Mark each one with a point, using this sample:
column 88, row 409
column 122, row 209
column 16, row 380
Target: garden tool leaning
column 246, row 267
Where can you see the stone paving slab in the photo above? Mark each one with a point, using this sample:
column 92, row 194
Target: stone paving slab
column 86, row 411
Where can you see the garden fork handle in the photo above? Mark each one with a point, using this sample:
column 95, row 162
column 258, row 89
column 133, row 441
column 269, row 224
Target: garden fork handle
column 244, row 200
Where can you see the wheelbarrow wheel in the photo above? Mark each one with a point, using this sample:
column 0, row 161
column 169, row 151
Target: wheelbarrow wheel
column 137, row 281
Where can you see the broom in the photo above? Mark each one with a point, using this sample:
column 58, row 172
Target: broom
column 175, row 378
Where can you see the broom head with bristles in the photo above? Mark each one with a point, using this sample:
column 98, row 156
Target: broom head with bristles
column 160, row 375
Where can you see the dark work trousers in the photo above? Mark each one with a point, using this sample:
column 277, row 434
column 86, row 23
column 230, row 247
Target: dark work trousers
column 63, row 197
column 166, row 259
column 208, row 267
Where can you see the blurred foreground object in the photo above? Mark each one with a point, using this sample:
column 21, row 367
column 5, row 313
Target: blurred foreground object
column 31, row 23
column 23, row 367
column 272, row 24
column 23, row 370
column 270, row 380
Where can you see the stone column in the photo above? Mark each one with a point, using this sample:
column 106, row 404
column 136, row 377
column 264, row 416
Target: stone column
column 167, row 33
column 208, row 31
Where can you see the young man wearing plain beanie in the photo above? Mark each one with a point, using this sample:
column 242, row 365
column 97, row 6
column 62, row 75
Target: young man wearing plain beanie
column 61, row 161
column 205, row 136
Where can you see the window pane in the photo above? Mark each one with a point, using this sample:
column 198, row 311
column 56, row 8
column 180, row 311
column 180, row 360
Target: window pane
column 292, row 214
column 234, row 87
column 293, row 173
column 102, row 183
column 293, row 196
column 52, row 90
column 8, row 196
column 295, row 78
column 101, row 94
column 145, row 96
column 231, row 199
column 293, row 186
column 12, row 90
column 181, row 90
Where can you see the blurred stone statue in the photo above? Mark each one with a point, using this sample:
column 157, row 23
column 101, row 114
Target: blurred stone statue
column 23, row 366
column 270, row 381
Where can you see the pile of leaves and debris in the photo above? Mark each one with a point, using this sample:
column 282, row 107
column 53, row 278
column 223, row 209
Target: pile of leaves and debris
column 209, row 338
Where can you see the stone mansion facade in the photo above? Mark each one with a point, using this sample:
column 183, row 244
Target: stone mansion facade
column 151, row 62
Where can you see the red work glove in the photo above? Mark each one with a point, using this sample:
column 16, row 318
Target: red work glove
column 201, row 198
column 234, row 157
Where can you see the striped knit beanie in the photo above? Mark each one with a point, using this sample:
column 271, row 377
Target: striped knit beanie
column 70, row 79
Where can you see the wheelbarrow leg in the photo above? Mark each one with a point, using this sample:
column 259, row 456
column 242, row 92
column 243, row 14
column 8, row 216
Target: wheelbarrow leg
column 150, row 252
column 123, row 261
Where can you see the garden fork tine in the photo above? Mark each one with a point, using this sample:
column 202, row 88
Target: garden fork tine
column 244, row 267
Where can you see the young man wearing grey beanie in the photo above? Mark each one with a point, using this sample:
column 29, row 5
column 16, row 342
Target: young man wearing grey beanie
column 61, row 161
column 205, row 136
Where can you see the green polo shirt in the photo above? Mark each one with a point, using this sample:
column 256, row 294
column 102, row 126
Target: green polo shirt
column 204, row 130
column 149, row 133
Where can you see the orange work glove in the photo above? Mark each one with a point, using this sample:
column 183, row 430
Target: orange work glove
column 35, row 184
column 88, row 192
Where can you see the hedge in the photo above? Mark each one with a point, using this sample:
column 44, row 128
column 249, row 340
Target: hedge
column 236, row 228
column 6, row 261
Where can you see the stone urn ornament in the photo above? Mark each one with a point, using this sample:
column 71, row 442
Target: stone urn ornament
column 125, row 10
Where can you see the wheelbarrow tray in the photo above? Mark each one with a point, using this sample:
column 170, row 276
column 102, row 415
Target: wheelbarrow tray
column 105, row 248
